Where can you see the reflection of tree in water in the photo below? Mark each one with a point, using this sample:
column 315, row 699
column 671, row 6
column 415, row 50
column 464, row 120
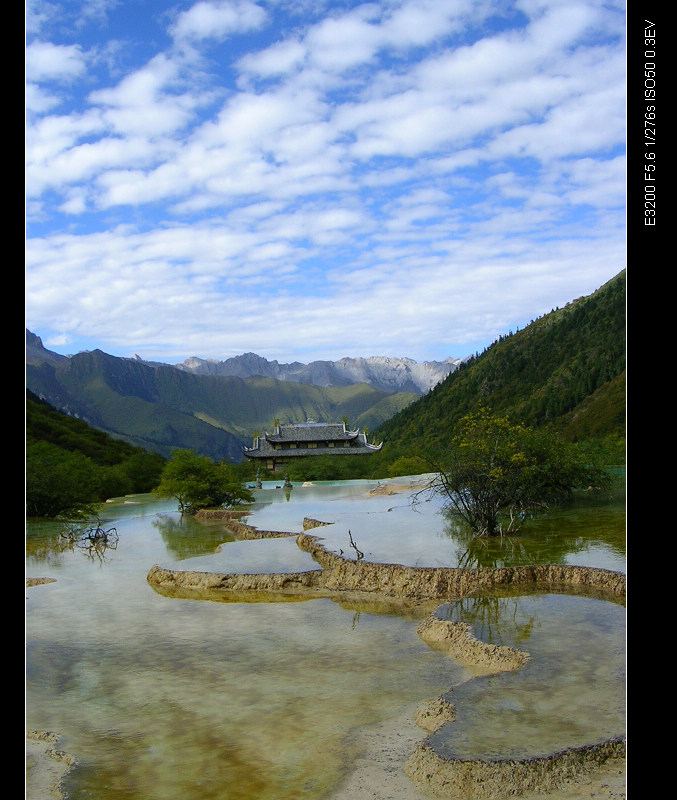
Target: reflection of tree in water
column 184, row 537
column 549, row 539
column 494, row 620
column 482, row 552
column 46, row 548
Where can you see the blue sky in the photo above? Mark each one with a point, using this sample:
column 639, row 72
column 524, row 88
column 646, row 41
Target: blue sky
column 310, row 179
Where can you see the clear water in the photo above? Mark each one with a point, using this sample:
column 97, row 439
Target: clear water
column 389, row 528
column 571, row 692
column 162, row 698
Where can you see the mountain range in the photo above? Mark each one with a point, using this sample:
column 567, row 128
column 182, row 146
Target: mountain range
column 216, row 406
column 565, row 370
column 384, row 373
column 381, row 372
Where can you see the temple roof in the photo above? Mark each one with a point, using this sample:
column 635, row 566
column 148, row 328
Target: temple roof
column 311, row 432
column 301, row 435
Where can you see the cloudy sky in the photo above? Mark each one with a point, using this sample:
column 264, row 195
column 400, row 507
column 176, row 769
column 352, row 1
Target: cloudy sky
column 313, row 179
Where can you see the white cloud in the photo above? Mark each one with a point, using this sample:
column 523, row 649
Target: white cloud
column 415, row 24
column 145, row 103
column 217, row 20
column 38, row 101
column 278, row 59
column 437, row 171
column 337, row 44
column 49, row 62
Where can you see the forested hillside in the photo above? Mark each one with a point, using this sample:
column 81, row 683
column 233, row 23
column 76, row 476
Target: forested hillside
column 565, row 370
column 70, row 464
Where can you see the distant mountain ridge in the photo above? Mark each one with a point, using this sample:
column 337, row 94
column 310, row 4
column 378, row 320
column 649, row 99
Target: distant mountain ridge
column 384, row 373
column 381, row 372
column 159, row 407
column 36, row 352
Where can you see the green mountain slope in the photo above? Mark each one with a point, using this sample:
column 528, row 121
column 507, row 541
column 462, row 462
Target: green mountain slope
column 384, row 410
column 45, row 424
column 160, row 408
column 565, row 370
column 70, row 464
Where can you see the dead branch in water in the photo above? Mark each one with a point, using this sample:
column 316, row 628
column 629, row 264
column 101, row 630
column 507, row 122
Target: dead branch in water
column 360, row 554
column 95, row 541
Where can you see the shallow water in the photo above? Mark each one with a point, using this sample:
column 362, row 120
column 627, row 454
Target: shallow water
column 570, row 693
column 390, row 528
column 166, row 698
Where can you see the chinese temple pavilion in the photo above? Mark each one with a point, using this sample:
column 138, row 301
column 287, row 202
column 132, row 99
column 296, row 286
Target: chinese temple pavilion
column 307, row 439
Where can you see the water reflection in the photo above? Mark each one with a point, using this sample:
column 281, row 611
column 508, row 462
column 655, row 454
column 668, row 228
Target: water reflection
column 390, row 529
column 44, row 546
column 93, row 541
column 185, row 537
column 494, row 620
column 588, row 531
column 555, row 538
column 170, row 699
column 571, row 692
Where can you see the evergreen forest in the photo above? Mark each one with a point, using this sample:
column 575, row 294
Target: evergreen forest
column 565, row 371
column 71, row 467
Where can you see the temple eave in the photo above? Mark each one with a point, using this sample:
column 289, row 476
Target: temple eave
column 298, row 452
column 319, row 451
